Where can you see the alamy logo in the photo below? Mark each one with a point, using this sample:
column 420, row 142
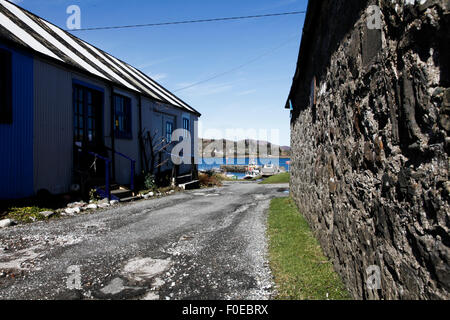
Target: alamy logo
column 74, row 20
column 374, row 18
column 74, row 279
column 374, row 13
column 373, row 278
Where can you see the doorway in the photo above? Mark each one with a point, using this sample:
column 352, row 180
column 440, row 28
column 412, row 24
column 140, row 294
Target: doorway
column 88, row 130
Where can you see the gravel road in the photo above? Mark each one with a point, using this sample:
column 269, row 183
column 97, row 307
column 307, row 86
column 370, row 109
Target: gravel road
column 204, row 244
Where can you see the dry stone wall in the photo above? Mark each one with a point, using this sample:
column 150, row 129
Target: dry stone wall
column 371, row 155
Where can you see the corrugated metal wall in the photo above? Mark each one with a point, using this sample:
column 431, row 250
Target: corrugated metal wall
column 53, row 128
column 155, row 122
column 129, row 147
column 16, row 139
column 53, row 117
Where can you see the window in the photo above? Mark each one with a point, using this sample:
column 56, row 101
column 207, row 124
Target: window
column 186, row 126
column 169, row 131
column 87, row 106
column 5, row 87
column 122, row 117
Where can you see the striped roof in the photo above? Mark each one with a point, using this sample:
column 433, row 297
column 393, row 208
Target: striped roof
column 30, row 31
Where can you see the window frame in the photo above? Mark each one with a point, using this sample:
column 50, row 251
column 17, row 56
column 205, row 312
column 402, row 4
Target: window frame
column 186, row 127
column 6, row 103
column 126, row 114
column 169, row 135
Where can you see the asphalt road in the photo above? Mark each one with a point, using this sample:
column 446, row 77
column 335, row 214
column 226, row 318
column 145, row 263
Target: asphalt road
column 204, row 244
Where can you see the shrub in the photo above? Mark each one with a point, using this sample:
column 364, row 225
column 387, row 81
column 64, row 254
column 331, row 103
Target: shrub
column 150, row 182
column 26, row 214
column 209, row 181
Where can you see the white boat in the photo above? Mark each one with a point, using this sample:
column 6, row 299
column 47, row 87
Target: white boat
column 269, row 170
column 252, row 172
column 252, row 175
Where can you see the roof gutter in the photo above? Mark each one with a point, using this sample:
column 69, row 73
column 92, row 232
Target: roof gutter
column 312, row 14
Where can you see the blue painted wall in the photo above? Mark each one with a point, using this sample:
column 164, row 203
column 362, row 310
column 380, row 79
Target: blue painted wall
column 16, row 139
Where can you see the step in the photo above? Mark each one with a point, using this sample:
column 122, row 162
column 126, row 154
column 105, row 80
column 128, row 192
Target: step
column 111, row 187
column 122, row 193
column 190, row 185
column 129, row 199
column 184, row 179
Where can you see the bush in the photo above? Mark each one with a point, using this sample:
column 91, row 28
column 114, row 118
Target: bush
column 26, row 214
column 93, row 195
column 210, row 173
column 150, row 182
column 209, row 181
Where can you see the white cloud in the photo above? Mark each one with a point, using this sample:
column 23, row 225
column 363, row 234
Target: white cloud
column 205, row 89
column 245, row 93
column 158, row 76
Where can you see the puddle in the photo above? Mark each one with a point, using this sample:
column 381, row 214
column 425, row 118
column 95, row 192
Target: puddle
column 142, row 269
column 116, row 286
column 20, row 260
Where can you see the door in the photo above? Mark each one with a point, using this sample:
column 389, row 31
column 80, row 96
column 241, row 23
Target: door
column 88, row 128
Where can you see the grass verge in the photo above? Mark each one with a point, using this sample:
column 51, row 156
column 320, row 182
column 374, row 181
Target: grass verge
column 279, row 178
column 301, row 270
column 26, row 214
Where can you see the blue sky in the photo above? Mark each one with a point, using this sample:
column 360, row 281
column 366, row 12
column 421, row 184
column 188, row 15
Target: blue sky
column 177, row 56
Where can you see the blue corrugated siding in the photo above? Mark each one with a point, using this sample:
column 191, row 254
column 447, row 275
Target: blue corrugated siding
column 16, row 140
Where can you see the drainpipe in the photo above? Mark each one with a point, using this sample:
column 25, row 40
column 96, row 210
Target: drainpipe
column 140, row 134
column 113, row 134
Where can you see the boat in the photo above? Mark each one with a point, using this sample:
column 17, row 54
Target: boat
column 253, row 172
column 252, row 175
column 269, row 170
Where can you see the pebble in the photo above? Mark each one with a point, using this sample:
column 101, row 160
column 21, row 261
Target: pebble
column 104, row 201
column 73, row 210
column 5, row 223
column 48, row 214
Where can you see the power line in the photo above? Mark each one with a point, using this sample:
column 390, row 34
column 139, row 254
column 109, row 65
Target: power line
column 192, row 21
column 240, row 66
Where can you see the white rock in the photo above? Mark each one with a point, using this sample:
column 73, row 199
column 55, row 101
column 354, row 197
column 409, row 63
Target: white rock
column 48, row 214
column 104, row 205
column 146, row 196
column 75, row 210
column 113, row 202
column 92, row 206
column 151, row 194
column 76, row 204
column 5, row 223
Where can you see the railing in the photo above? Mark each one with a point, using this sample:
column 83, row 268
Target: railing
column 133, row 166
column 107, row 169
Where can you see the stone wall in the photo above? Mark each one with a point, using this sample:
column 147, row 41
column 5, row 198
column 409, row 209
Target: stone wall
column 371, row 155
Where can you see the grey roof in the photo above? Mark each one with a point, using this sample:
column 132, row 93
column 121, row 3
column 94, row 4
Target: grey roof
column 32, row 32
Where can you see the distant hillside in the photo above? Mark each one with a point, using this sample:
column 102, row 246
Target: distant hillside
column 211, row 147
